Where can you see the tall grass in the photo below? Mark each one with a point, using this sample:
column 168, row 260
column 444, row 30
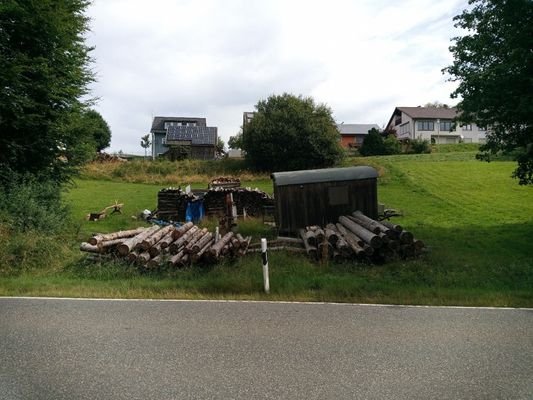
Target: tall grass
column 169, row 172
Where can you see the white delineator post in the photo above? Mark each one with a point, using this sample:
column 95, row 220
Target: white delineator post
column 264, row 258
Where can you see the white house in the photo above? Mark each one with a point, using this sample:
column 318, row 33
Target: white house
column 434, row 124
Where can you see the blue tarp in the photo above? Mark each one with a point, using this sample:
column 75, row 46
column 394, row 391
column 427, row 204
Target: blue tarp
column 195, row 211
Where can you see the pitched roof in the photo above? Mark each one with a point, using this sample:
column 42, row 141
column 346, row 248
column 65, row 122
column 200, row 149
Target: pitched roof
column 429, row 112
column 323, row 175
column 158, row 124
column 198, row 135
column 355, row 129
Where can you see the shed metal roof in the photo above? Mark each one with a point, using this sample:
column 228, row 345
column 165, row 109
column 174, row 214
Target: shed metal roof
column 323, row 175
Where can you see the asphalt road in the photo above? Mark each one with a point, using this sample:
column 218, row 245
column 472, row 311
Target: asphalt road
column 88, row 349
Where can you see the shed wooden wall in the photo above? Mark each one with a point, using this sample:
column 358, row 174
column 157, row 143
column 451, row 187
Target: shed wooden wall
column 301, row 205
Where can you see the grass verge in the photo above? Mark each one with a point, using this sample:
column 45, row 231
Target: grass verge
column 475, row 219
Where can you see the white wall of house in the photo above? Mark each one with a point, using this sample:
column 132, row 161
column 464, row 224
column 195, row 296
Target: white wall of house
column 428, row 129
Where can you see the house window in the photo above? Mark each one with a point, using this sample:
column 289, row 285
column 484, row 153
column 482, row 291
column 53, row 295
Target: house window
column 425, row 125
column 446, row 126
column 191, row 123
column 467, row 127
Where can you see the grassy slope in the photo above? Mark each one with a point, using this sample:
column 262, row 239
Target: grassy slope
column 476, row 221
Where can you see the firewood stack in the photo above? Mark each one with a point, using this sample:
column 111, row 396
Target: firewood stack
column 157, row 246
column 224, row 182
column 358, row 237
column 172, row 204
column 253, row 200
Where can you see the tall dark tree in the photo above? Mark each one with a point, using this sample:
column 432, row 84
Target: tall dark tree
column 44, row 72
column 494, row 67
column 290, row 133
column 99, row 129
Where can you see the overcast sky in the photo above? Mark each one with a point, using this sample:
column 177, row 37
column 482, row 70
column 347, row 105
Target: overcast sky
column 216, row 59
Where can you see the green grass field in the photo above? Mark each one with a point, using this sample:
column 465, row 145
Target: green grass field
column 475, row 219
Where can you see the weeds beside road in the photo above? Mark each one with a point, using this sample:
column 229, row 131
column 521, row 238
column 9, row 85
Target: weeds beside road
column 476, row 220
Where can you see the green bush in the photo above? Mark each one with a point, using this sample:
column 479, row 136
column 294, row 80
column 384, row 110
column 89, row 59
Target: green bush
column 372, row 144
column 28, row 204
column 391, row 145
column 419, row 146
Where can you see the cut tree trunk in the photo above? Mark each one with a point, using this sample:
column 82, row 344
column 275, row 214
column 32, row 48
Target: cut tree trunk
column 115, row 235
column 155, row 237
column 311, row 250
column 369, row 237
column 129, row 244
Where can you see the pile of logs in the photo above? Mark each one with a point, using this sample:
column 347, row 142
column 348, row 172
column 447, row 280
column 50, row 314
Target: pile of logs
column 167, row 246
column 224, row 182
column 172, row 204
column 358, row 237
column 252, row 200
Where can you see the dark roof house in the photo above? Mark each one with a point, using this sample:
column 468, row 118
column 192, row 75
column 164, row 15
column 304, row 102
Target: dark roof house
column 189, row 134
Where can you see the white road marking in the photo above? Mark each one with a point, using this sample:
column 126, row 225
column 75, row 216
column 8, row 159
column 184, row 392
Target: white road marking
column 264, row 302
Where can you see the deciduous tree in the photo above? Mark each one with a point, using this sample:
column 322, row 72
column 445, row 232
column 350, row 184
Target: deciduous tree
column 291, row 132
column 493, row 64
column 44, row 74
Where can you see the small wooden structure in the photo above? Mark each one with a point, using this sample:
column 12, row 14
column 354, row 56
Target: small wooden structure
column 321, row 196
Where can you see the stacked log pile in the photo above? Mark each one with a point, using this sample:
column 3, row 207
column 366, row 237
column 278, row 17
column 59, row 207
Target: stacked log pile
column 224, row 182
column 172, row 246
column 172, row 204
column 253, row 200
column 361, row 238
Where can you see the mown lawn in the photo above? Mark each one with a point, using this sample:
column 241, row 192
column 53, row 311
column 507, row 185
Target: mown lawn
column 476, row 221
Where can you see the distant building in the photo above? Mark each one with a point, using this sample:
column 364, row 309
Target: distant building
column 190, row 134
column 352, row 135
column 433, row 124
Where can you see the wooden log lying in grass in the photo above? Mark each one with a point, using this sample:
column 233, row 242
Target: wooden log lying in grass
column 311, row 250
column 194, row 239
column 182, row 230
column 331, row 234
column 369, row 237
column 129, row 244
column 355, row 243
column 175, row 246
column 218, row 247
column 359, row 216
column 132, row 257
column 368, row 226
column 89, row 248
column 143, row 258
column 153, row 263
column 175, row 260
column 391, row 226
column 115, row 235
column 155, row 237
column 166, row 240
column 406, row 237
column 200, row 253
column 200, row 244
column 309, row 237
column 105, row 246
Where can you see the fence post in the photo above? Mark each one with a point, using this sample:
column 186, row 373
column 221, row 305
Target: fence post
column 264, row 258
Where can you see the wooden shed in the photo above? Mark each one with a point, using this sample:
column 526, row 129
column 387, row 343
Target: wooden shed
column 320, row 196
